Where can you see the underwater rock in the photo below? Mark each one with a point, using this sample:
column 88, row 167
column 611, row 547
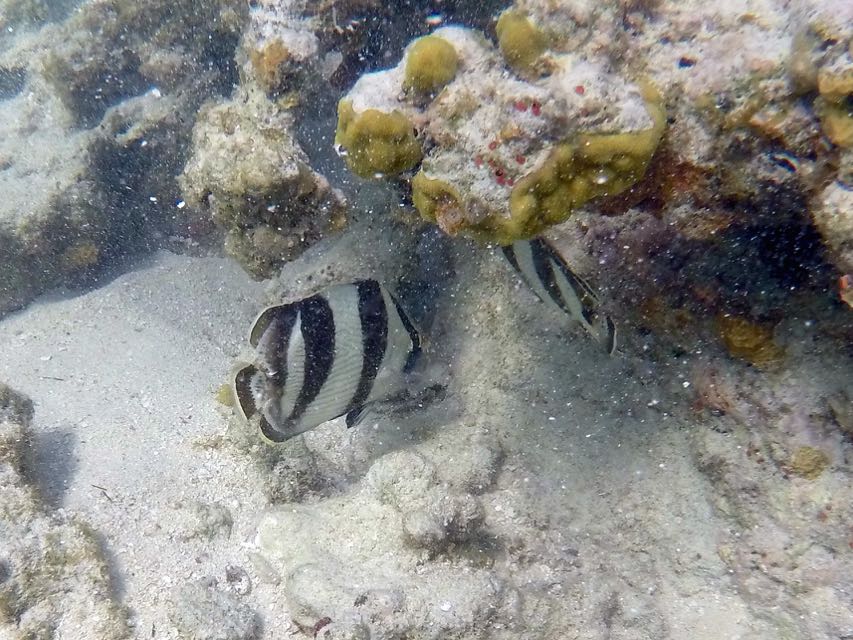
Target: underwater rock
column 279, row 50
column 96, row 117
column 51, row 206
column 371, row 584
column 199, row 520
column 832, row 212
column 250, row 174
column 779, row 467
column 202, row 612
column 54, row 579
column 505, row 156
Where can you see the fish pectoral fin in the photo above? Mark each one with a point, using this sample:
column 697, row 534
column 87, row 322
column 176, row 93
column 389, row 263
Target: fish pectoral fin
column 355, row 416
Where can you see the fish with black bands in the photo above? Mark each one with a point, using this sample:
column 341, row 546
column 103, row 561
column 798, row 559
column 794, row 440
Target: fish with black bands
column 325, row 356
column 553, row 282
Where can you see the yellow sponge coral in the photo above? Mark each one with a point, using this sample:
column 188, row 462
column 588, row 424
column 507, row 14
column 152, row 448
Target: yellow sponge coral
column 834, row 108
column 596, row 165
column 521, row 42
column 376, row 142
column 431, row 63
column 573, row 173
column 438, row 202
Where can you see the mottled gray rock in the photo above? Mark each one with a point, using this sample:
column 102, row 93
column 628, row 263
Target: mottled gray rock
column 202, row 612
column 95, row 117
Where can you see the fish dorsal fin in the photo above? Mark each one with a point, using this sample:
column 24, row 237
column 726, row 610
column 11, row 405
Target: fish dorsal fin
column 414, row 336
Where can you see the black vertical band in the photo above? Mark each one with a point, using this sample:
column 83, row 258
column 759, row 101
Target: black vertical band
column 542, row 264
column 318, row 335
column 582, row 290
column 374, row 337
column 509, row 254
column 243, row 390
column 281, row 324
column 610, row 343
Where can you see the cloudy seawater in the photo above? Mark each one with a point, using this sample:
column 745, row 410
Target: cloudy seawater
column 414, row 320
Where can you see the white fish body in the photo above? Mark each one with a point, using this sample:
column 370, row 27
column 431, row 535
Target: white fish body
column 325, row 356
column 553, row 282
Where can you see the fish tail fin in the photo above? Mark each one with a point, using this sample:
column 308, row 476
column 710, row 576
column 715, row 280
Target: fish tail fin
column 605, row 332
column 245, row 391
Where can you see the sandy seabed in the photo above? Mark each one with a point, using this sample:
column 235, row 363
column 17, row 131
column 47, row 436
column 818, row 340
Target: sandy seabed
column 555, row 492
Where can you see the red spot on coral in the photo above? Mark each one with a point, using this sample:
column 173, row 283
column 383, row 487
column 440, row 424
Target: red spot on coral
column 492, row 163
column 536, row 108
column 493, row 145
column 501, row 180
column 580, row 90
column 519, row 159
column 510, row 181
column 478, row 160
column 520, row 105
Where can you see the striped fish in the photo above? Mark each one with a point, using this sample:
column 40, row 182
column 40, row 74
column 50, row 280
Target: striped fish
column 545, row 271
column 325, row 356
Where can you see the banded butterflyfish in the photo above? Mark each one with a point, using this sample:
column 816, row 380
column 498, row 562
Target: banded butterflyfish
column 553, row 282
column 325, row 356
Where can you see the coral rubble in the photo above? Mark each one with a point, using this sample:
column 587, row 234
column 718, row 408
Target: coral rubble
column 255, row 181
column 54, row 580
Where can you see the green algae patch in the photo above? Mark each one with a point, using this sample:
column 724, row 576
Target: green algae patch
column 808, row 462
column 432, row 63
column 520, row 41
column 376, row 142
column 224, row 395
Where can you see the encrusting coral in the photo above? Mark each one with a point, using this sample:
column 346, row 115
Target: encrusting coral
column 377, row 142
column 749, row 340
column 504, row 157
column 432, row 63
column 521, row 42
